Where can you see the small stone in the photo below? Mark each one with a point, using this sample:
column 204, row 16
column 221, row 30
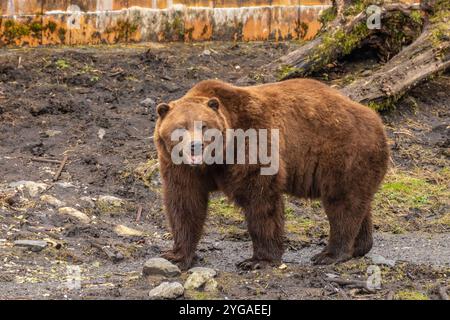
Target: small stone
column 75, row 213
column 65, row 185
column 52, row 133
column 33, row 245
column 160, row 266
column 109, row 203
column 125, row 231
column 52, row 201
column 283, row 267
column 206, row 52
column 101, row 133
column 380, row 260
column 33, row 188
column 199, row 277
column 148, row 103
column 167, row 290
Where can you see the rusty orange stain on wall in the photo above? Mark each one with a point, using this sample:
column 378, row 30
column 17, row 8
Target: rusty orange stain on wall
column 76, row 22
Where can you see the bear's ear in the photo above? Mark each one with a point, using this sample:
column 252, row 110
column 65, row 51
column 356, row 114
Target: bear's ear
column 214, row 104
column 162, row 109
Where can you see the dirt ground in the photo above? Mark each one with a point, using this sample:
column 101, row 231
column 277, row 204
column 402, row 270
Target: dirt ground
column 87, row 103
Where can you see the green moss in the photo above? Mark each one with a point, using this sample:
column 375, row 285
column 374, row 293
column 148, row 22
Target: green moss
column 36, row 27
column 327, row 15
column 337, row 42
column 386, row 104
column 285, row 71
column 416, row 16
column 410, row 295
column 14, row 30
column 223, row 209
column 51, row 26
column 62, row 34
column 147, row 172
column 62, row 64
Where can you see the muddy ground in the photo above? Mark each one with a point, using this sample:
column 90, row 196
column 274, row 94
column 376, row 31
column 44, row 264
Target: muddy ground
column 86, row 103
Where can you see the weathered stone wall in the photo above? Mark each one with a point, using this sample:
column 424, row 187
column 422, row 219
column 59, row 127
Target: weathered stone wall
column 72, row 22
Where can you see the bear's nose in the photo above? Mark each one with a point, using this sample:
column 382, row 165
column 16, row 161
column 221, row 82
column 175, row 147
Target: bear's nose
column 196, row 147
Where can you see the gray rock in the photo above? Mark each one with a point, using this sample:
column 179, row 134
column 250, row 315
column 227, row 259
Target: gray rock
column 167, row 290
column 160, row 266
column 52, row 201
column 75, row 214
column 208, row 271
column 108, row 204
column 199, row 277
column 33, row 245
column 148, row 103
column 33, row 188
column 380, row 260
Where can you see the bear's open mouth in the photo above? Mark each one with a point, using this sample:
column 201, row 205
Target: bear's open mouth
column 195, row 160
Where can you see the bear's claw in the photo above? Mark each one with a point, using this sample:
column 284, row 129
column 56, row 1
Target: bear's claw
column 254, row 264
column 326, row 257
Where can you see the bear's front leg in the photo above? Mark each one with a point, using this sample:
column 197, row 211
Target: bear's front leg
column 186, row 207
column 265, row 222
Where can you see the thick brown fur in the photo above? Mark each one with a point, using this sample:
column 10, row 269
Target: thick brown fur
column 331, row 148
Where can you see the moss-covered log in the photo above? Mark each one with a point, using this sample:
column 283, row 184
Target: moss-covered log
column 426, row 56
column 345, row 28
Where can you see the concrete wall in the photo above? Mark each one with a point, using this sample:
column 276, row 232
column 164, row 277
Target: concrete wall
column 72, row 22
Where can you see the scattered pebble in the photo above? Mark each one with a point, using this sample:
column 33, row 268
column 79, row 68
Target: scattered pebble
column 109, row 203
column 52, row 133
column 33, row 245
column 101, row 133
column 380, row 260
column 125, row 231
column 283, row 267
column 167, row 290
column 148, row 103
column 160, row 266
column 206, row 52
column 75, row 213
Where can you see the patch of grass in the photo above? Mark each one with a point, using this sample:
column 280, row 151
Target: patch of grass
column 410, row 295
column 327, row 15
column 286, row 70
column 62, row 64
column 407, row 201
column 223, row 209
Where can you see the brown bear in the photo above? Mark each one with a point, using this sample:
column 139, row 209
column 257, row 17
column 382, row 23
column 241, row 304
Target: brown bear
column 330, row 148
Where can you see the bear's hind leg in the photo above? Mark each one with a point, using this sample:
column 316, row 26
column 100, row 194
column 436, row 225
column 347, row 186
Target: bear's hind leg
column 345, row 217
column 265, row 222
column 364, row 240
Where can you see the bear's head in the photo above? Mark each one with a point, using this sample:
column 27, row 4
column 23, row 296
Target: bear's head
column 188, row 127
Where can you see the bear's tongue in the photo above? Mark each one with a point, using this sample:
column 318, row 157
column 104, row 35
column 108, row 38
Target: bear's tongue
column 196, row 159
